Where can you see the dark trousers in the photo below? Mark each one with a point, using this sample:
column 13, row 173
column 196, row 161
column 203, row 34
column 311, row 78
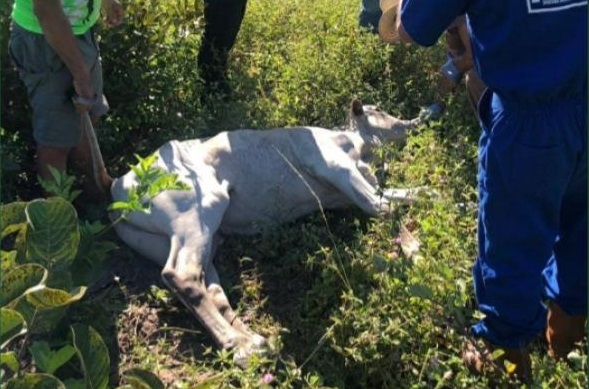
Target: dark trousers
column 222, row 22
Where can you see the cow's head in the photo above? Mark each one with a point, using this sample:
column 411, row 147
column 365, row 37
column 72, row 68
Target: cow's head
column 377, row 126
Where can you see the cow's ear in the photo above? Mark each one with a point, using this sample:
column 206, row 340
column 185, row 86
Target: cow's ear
column 357, row 108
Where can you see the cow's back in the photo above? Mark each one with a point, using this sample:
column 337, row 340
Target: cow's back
column 270, row 175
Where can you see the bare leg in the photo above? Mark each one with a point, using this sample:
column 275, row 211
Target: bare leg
column 51, row 156
column 81, row 161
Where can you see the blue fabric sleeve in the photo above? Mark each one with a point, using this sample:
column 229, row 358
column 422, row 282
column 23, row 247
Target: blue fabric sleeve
column 426, row 20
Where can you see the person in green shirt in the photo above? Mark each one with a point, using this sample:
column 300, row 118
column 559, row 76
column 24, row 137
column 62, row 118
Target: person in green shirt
column 53, row 46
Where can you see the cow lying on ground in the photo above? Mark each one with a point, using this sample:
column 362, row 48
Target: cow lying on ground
column 242, row 180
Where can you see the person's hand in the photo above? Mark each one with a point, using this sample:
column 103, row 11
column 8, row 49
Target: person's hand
column 432, row 112
column 446, row 85
column 114, row 12
column 450, row 71
column 84, row 97
column 458, row 43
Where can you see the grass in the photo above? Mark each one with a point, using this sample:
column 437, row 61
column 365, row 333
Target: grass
column 342, row 305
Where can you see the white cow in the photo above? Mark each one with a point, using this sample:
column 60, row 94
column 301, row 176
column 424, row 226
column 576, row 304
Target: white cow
column 241, row 180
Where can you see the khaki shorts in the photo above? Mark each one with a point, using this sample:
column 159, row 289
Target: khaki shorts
column 49, row 85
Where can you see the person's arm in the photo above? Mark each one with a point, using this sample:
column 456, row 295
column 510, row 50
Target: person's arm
column 403, row 35
column 423, row 22
column 465, row 62
column 58, row 32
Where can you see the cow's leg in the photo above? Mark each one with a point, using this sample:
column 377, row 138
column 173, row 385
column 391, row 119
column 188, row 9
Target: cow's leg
column 151, row 245
column 222, row 303
column 192, row 246
column 401, row 195
column 391, row 195
column 184, row 274
column 406, row 195
column 257, row 343
column 367, row 173
column 341, row 172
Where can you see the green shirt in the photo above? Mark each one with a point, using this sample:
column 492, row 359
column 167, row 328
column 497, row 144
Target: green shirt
column 82, row 15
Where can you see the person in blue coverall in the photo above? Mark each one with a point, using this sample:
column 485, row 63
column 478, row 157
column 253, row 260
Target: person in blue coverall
column 459, row 64
column 531, row 271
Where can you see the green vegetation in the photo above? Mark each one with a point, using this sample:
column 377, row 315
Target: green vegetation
column 342, row 304
column 46, row 269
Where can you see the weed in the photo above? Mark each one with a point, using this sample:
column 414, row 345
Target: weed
column 343, row 305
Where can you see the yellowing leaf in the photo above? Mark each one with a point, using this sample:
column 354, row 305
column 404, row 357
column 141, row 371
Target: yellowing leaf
column 509, row 367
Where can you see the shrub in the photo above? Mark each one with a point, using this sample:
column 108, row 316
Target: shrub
column 344, row 307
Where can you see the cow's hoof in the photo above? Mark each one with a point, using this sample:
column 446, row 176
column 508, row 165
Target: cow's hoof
column 256, row 345
column 384, row 208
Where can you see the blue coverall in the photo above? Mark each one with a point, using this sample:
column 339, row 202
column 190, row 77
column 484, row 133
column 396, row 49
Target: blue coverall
column 532, row 231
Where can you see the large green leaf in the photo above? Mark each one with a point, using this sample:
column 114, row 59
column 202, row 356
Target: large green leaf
column 16, row 281
column 35, row 381
column 12, row 217
column 39, row 321
column 142, row 379
column 11, row 324
column 52, row 234
column 42, row 297
column 43, row 308
column 93, row 356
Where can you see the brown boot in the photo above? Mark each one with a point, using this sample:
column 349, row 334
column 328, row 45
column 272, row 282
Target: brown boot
column 563, row 331
column 516, row 363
